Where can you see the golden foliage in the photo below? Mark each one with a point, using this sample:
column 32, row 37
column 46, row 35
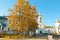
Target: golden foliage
column 48, row 27
column 23, row 17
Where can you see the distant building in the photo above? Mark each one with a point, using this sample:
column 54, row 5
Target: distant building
column 40, row 23
column 3, row 23
column 57, row 26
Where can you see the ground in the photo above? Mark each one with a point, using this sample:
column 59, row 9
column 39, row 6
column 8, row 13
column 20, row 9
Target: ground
column 15, row 37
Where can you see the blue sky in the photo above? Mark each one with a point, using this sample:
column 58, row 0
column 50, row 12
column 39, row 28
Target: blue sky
column 50, row 9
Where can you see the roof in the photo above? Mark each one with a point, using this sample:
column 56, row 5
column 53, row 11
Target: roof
column 3, row 24
column 3, row 17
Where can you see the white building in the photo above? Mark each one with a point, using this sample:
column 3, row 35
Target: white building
column 40, row 23
column 57, row 26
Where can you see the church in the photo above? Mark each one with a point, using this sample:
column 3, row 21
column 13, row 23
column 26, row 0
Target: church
column 41, row 27
column 57, row 26
column 40, row 23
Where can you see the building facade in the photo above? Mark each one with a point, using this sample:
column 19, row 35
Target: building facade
column 57, row 26
column 40, row 23
column 3, row 23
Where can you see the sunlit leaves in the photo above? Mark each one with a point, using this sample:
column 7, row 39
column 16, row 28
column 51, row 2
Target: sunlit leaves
column 23, row 17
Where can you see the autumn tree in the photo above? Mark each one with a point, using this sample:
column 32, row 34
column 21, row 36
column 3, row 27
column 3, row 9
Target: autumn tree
column 22, row 17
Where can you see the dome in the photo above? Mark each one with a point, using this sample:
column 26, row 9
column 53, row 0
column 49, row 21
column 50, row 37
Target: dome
column 57, row 21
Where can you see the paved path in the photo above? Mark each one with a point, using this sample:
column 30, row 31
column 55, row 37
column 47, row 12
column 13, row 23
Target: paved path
column 23, row 39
